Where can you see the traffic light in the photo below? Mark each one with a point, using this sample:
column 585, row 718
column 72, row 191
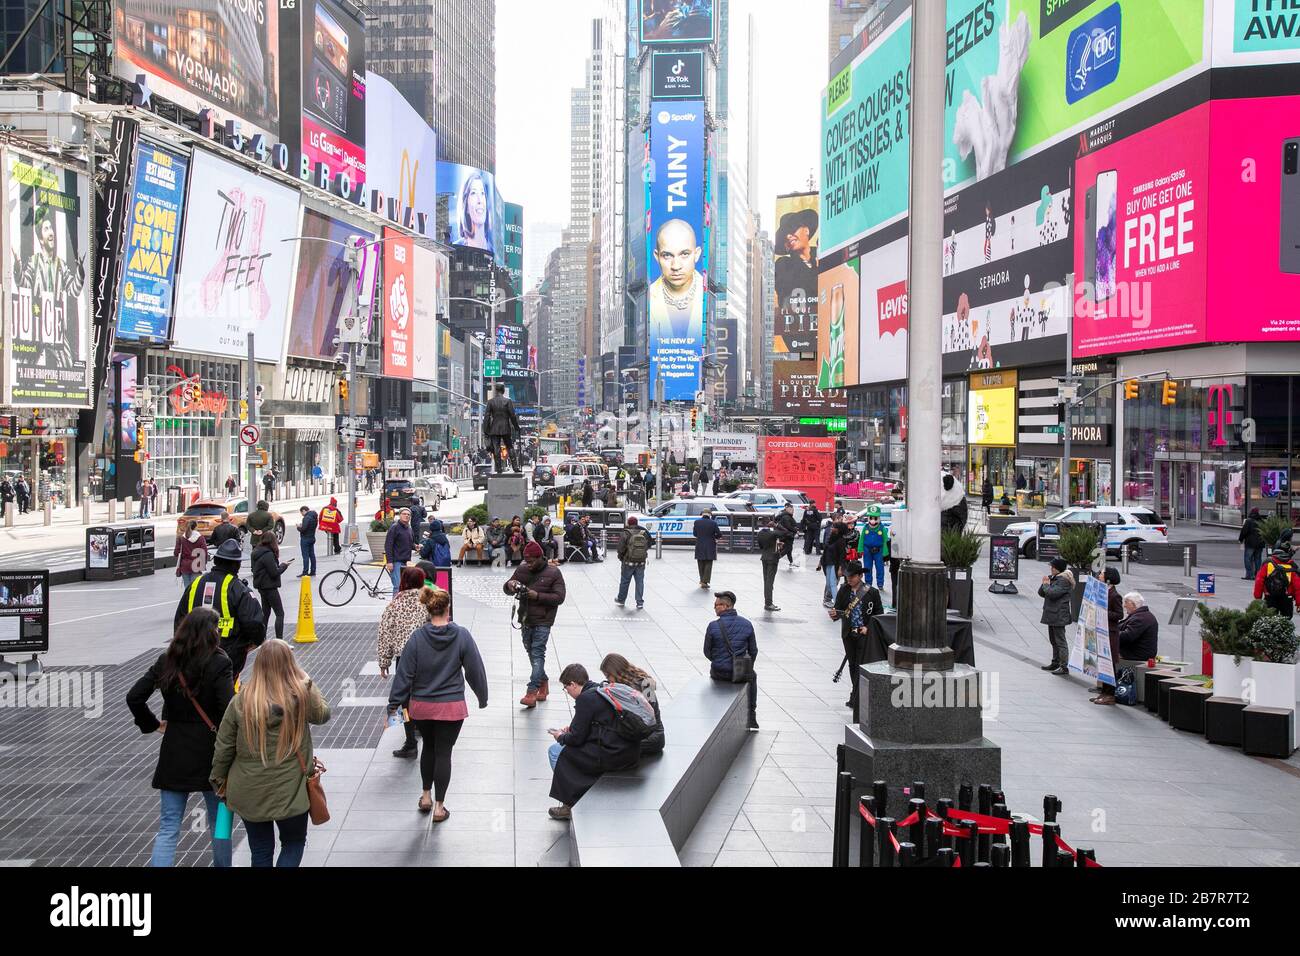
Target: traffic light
column 1131, row 388
column 1169, row 392
column 343, row 389
column 695, row 414
column 265, row 458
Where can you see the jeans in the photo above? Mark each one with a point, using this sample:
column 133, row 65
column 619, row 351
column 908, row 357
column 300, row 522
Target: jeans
column 1254, row 558
column 187, row 578
column 396, row 575
column 632, row 572
column 293, row 841
column 769, row 578
column 832, row 583
column 553, row 753
column 753, row 692
column 172, row 815
column 1060, row 649
column 535, row 637
column 144, row 507
column 308, row 549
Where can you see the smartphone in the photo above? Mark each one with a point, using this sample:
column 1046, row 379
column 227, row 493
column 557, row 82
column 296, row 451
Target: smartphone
column 1107, row 201
column 1291, row 205
column 1090, row 242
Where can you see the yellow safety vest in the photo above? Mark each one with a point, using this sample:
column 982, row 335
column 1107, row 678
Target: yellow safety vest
column 225, row 621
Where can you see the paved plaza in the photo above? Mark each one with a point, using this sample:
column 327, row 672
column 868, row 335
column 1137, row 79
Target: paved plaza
column 74, row 789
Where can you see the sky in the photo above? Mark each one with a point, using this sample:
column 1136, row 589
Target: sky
column 541, row 55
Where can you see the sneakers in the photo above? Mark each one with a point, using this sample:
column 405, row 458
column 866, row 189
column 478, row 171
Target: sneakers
column 620, row 603
column 1062, row 671
column 771, row 607
column 829, row 604
column 562, row 812
column 753, row 725
column 530, row 698
column 640, row 606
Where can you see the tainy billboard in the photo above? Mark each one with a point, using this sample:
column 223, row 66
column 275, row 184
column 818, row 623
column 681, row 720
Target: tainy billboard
column 677, row 235
column 45, row 244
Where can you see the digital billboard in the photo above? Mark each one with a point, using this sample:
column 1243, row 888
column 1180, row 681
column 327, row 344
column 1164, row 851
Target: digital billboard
column 237, row 260
column 155, row 216
column 320, row 287
column 795, row 392
column 837, row 326
column 334, row 89
column 428, row 300
column 399, row 291
column 401, row 160
column 678, row 75
column 475, row 210
column 676, row 22
column 795, row 270
column 45, row 245
column 676, row 239
column 514, row 257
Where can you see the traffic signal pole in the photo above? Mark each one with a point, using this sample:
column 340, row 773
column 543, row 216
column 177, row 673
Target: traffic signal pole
column 250, row 461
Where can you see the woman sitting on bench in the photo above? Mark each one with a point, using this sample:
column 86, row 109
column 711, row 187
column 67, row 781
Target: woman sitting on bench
column 473, row 541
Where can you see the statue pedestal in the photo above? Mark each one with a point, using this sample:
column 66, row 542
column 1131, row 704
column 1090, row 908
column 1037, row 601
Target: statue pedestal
column 507, row 496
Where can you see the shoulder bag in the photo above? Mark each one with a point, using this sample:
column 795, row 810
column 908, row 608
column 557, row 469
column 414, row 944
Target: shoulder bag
column 195, row 701
column 317, row 808
column 742, row 665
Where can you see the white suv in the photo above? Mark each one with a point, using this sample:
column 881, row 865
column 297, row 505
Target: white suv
column 771, row 500
column 1131, row 526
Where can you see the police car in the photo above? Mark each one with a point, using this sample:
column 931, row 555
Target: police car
column 771, row 500
column 677, row 517
column 1131, row 526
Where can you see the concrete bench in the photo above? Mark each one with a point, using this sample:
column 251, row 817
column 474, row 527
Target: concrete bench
column 643, row 817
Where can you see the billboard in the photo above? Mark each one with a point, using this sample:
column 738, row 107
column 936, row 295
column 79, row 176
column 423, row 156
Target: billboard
column 514, row 256
column 429, row 272
column 794, row 245
column 236, row 261
column 475, row 210
column 320, row 288
column 800, row 464
column 677, row 76
column 46, row 242
column 402, row 163
column 676, row 22
column 112, row 201
column 206, row 53
column 991, row 410
column 334, row 89
column 837, row 326
column 795, row 392
column 399, row 291
column 512, row 350
column 155, row 216
column 882, row 314
column 677, row 234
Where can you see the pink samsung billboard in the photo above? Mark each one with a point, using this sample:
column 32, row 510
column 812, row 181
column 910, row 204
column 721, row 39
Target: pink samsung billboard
column 1141, row 239
column 1179, row 232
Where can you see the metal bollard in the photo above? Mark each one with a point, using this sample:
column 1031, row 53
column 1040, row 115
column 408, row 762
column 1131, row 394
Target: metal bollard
column 934, row 841
column 1051, row 807
column 1002, row 813
column 880, row 790
column 1187, row 562
column 841, row 758
column 1064, row 859
column 907, row 855
column 945, row 856
column 1001, row 856
column 1123, row 560
column 1020, row 843
column 986, row 809
column 918, row 789
column 1082, row 856
column 966, row 845
column 916, row 832
column 1050, row 832
column 85, row 506
column 112, row 510
column 843, row 803
column 866, row 834
column 884, row 828
column 965, row 795
column 47, row 512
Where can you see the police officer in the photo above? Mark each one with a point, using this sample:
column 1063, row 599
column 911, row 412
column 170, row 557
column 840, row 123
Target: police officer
column 239, row 616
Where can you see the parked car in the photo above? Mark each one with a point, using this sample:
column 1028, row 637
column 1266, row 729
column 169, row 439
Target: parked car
column 772, row 500
column 574, row 471
column 543, row 476
column 207, row 512
column 444, row 485
column 1124, row 526
column 400, row 493
column 481, row 474
column 677, row 517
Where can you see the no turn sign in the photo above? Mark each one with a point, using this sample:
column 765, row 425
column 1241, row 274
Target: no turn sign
column 250, row 435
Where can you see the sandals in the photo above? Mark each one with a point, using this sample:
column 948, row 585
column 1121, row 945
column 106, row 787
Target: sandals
column 423, row 808
column 440, row 817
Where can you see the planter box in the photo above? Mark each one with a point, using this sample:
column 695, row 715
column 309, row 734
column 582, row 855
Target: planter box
column 375, row 542
column 1275, row 687
column 961, row 592
column 1230, row 678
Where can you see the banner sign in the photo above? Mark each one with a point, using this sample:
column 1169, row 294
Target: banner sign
column 733, row 446
column 800, row 464
column 111, row 210
column 1090, row 653
column 399, row 290
column 153, row 237
column 24, row 612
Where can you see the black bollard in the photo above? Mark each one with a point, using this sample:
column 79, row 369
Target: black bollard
column 965, row 794
column 880, row 790
column 941, row 808
column 1000, row 855
column 1002, row 813
column 918, row 789
column 986, row 809
column 945, row 856
column 1064, row 858
column 999, row 797
column 933, row 837
column 867, row 834
column 843, row 807
column 884, row 828
column 1050, row 832
column 1051, row 807
column 1020, row 843
column 841, row 758
column 966, row 844
column 1082, row 856
column 906, row 854
column 916, row 832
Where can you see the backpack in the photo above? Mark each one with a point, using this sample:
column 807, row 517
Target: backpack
column 1277, row 584
column 634, row 717
column 1126, row 687
column 638, row 547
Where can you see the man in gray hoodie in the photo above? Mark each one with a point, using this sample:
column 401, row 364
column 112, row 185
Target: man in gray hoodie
column 1055, row 591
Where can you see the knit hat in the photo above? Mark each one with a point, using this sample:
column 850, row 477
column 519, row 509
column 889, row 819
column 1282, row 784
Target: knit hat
column 631, row 521
column 1059, row 564
column 532, row 550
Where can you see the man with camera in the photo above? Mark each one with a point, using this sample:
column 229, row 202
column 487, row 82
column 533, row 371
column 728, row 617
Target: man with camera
column 855, row 605
column 539, row 588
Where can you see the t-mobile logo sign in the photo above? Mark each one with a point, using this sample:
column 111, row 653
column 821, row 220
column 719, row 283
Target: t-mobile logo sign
column 1218, row 400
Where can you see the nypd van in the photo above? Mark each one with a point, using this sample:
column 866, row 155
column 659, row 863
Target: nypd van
column 677, row 518
column 1124, row 526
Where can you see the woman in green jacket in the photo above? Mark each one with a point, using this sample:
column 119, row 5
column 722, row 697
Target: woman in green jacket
column 263, row 752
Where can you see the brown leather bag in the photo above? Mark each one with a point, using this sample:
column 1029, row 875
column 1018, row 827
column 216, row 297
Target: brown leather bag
column 317, row 808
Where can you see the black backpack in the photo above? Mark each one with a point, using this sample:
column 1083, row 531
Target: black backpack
column 1277, row 584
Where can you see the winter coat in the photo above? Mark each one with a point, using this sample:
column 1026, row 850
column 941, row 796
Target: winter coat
column 1250, row 535
column 330, row 518
column 191, row 556
column 403, row 615
column 436, row 548
column 726, row 637
column 274, row 791
column 225, row 531
column 787, row 528
column 495, row 536
column 435, row 666
column 398, row 543
column 250, row 625
column 1139, row 635
column 307, row 530
column 833, row 552
column 1056, row 599
column 549, row 585
column 267, row 567
column 706, row 533
column 768, row 541
column 472, row 536
column 260, row 522
column 654, row 744
column 592, row 747
column 625, row 544
column 185, row 757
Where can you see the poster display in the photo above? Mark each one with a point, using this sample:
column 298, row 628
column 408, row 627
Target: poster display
column 795, row 392
column 882, row 325
column 677, row 237
column 155, row 218
column 46, row 244
column 112, row 202
column 334, row 89
column 24, row 612
column 800, row 464
column 514, row 257
column 401, row 159
column 991, row 409
column 429, row 299
column 320, row 291
column 837, row 328
column 236, row 261
column 475, row 210
column 731, row 446
column 1090, row 651
column 678, row 22
column 795, row 273
column 399, row 291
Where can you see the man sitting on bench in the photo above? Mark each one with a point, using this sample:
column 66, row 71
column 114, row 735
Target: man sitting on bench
column 580, row 542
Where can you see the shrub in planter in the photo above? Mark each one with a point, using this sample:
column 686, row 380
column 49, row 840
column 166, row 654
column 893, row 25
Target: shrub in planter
column 1272, row 640
column 960, row 549
column 479, row 513
column 381, row 526
column 1078, row 545
column 1227, row 630
column 1271, row 528
column 533, row 511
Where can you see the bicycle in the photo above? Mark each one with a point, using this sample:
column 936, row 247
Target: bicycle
column 339, row 587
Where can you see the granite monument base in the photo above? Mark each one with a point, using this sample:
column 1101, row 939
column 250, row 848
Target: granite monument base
column 507, row 496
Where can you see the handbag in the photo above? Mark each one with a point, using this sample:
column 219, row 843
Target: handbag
column 742, row 665
column 317, row 808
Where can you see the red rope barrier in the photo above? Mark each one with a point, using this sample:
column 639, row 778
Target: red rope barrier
column 995, row 826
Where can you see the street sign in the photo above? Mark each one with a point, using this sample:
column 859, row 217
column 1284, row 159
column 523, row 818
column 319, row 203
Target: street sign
column 1054, row 430
column 250, row 435
column 491, row 368
column 455, row 444
column 1205, row 585
column 361, row 444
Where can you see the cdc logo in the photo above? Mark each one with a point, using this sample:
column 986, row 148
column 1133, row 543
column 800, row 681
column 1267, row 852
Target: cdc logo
column 1092, row 54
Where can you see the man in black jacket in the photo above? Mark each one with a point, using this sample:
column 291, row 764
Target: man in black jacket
column 307, row 540
column 589, row 746
column 855, row 605
column 500, row 426
column 543, row 590
column 398, row 545
column 239, row 616
column 706, row 533
column 769, row 551
column 1252, row 543
column 223, row 532
column 788, row 529
column 1139, row 633
column 812, row 528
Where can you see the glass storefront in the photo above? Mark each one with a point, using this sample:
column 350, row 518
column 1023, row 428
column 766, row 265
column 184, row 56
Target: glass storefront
column 954, row 427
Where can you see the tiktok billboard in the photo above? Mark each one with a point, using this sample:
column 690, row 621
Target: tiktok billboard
column 237, row 261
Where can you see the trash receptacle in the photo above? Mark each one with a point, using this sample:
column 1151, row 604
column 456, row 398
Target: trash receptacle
column 147, row 550
column 135, row 550
column 109, row 556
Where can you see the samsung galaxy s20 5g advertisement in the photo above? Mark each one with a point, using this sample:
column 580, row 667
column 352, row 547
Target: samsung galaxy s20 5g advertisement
column 1291, row 206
